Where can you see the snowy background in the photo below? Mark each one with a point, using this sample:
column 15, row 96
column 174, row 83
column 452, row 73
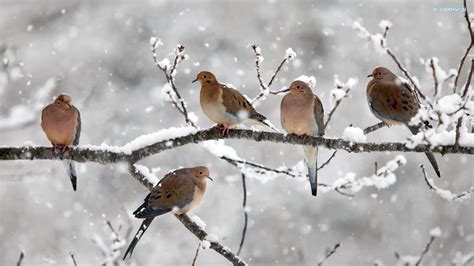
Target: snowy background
column 100, row 54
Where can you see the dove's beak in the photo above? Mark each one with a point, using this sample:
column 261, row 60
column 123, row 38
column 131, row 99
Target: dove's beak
column 371, row 75
column 210, row 178
column 195, row 80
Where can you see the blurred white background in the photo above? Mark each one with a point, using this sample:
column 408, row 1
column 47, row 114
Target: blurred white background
column 98, row 51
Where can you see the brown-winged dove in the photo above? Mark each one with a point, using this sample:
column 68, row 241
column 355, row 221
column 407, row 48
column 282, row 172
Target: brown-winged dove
column 177, row 192
column 61, row 122
column 302, row 114
column 226, row 106
column 394, row 102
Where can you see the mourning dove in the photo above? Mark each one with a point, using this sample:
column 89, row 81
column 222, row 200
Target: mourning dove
column 178, row 192
column 226, row 106
column 302, row 114
column 394, row 102
column 61, row 122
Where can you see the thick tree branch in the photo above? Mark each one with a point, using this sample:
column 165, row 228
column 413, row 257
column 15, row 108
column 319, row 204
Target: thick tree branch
column 105, row 156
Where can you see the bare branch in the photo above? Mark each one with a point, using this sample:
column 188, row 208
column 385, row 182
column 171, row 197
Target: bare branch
column 20, row 259
column 72, row 258
column 327, row 161
column 425, row 250
column 435, row 77
column 244, row 205
column 405, row 72
column 471, row 44
column 464, row 95
column 197, row 253
column 329, row 254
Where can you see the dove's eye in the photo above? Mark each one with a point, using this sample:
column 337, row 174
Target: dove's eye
column 200, row 173
column 297, row 87
column 205, row 77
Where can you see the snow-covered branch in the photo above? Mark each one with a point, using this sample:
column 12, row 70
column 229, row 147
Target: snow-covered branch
column 170, row 71
column 163, row 140
column 446, row 194
column 265, row 88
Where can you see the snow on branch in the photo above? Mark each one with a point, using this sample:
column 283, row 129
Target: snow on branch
column 170, row 70
column 265, row 88
column 340, row 92
column 382, row 179
column 380, row 44
column 103, row 154
column 446, row 194
column 408, row 260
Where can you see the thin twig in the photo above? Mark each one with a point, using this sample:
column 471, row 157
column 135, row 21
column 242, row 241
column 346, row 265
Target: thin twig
column 196, row 255
column 464, row 95
column 327, row 161
column 471, row 44
column 72, row 257
column 244, row 205
column 20, row 259
column 329, row 254
column 443, row 193
column 170, row 78
column 286, row 172
column 435, row 77
column 425, row 250
column 265, row 88
column 335, row 107
column 405, row 72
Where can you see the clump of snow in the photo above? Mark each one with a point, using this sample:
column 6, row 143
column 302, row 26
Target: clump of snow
column 155, row 42
column 449, row 103
column 290, row 54
column 385, row 24
column 310, row 80
column 197, row 220
column 145, row 140
column 435, row 232
column 219, row 149
column 377, row 40
column 164, row 134
column 148, row 176
column 383, row 179
column 193, row 117
column 337, row 95
column 354, row 134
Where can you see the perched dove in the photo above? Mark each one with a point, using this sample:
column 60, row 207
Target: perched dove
column 61, row 122
column 302, row 114
column 178, row 192
column 394, row 102
column 226, row 106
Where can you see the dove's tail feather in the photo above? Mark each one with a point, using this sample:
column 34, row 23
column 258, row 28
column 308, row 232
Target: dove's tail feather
column 145, row 224
column 71, row 172
column 414, row 130
column 311, row 159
